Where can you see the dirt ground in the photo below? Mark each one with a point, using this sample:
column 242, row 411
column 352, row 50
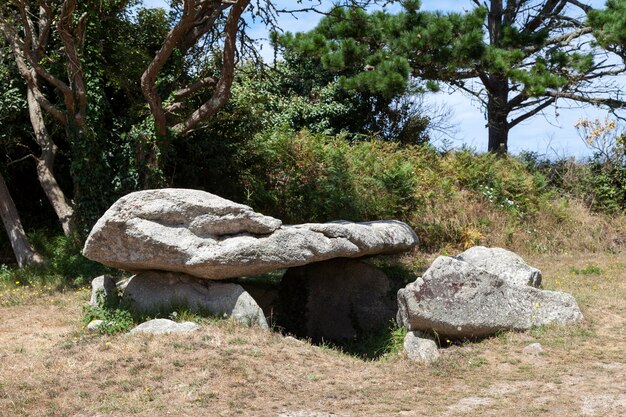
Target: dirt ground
column 50, row 366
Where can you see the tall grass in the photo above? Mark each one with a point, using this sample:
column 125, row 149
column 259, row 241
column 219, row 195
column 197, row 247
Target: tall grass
column 65, row 266
column 453, row 200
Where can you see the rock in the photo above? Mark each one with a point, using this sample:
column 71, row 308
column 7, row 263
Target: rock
column 266, row 296
column 94, row 325
column 335, row 300
column 163, row 326
column 534, row 349
column 121, row 285
column 459, row 300
column 503, row 263
column 103, row 291
column 204, row 235
column 419, row 348
column 156, row 291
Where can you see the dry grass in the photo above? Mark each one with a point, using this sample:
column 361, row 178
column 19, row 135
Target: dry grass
column 50, row 366
column 562, row 225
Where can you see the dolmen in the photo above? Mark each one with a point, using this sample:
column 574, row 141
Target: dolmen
column 188, row 250
column 182, row 244
column 477, row 294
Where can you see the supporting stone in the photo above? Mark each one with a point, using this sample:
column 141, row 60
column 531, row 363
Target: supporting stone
column 335, row 300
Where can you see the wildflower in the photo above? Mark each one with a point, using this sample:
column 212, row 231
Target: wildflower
column 537, row 305
column 17, row 283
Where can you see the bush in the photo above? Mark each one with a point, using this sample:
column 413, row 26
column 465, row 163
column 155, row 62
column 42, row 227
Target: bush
column 114, row 320
column 65, row 266
column 453, row 200
column 304, row 177
column 504, row 182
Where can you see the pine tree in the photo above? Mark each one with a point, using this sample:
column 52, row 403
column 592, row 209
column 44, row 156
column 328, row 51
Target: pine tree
column 517, row 57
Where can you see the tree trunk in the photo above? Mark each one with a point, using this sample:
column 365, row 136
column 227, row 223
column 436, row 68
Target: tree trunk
column 45, row 166
column 497, row 88
column 498, row 130
column 24, row 252
column 497, row 115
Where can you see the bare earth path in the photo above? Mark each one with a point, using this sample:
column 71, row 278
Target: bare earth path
column 49, row 366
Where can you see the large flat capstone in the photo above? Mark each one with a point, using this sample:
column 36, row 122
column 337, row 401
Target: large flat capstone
column 207, row 236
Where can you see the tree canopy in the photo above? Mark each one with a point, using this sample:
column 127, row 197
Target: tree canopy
column 103, row 97
column 516, row 57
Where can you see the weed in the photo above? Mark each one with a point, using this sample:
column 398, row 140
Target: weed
column 312, row 377
column 114, row 320
column 477, row 362
column 539, row 331
column 383, row 344
column 589, row 269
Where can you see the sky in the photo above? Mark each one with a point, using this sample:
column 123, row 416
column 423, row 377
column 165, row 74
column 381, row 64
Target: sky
column 551, row 133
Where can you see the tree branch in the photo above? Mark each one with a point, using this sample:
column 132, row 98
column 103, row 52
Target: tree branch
column 75, row 69
column 585, row 7
column 531, row 113
column 27, row 47
column 222, row 89
column 598, row 101
column 148, row 78
column 193, row 88
column 549, row 9
column 45, row 23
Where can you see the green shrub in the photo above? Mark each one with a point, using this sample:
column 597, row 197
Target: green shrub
column 114, row 320
column 303, row 177
column 65, row 266
column 384, row 344
column 507, row 183
column 589, row 269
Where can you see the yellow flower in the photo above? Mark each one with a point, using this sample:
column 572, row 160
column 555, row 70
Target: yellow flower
column 17, row 283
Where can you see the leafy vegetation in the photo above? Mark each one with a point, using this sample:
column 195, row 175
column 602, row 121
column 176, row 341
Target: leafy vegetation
column 335, row 129
column 65, row 267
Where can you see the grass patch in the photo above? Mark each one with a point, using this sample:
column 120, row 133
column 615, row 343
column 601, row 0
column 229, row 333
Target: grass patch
column 65, row 266
column 114, row 320
column 267, row 374
column 385, row 344
column 589, row 269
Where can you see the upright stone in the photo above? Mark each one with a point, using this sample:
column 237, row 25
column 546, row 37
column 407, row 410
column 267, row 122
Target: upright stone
column 103, row 291
column 335, row 300
column 505, row 264
column 163, row 292
column 459, row 300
